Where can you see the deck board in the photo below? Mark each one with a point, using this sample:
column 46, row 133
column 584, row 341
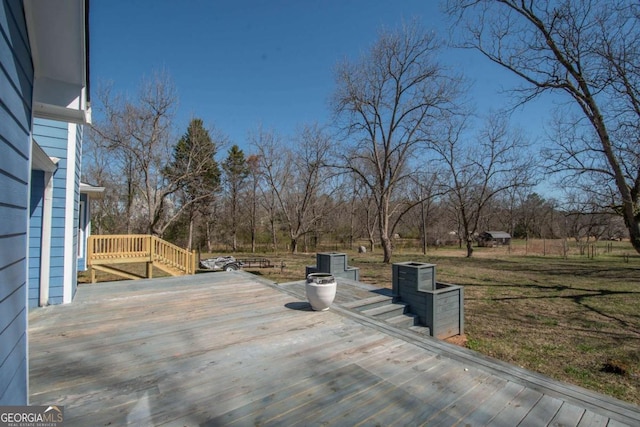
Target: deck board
column 543, row 413
column 591, row 419
column 517, row 409
column 483, row 414
column 232, row 349
column 469, row 402
column 568, row 415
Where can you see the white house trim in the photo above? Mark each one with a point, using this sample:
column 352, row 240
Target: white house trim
column 45, row 243
column 70, row 256
column 40, row 161
column 62, row 114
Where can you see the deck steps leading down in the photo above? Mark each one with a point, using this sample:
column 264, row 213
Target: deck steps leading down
column 384, row 307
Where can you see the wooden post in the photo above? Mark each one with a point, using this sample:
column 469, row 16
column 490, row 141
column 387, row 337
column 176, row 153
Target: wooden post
column 151, row 248
column 150, row 270
column 92, row 273
column 89, row 249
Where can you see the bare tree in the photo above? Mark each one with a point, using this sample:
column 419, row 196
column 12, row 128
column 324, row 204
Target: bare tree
column 108, row 210
column 266, row 143
column 523, row 213
column 297, row 174
column 586, row 51
column 425, row 188
column 479, row 168
column 136, row 135
column 386, row 102
column 253, row 165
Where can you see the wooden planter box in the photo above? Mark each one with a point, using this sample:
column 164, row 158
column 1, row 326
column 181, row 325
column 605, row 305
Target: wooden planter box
column 439, row 306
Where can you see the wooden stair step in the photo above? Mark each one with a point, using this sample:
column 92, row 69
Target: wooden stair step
column 405, row 320
column 370, row 302
column 168, row 269
column 386, row 311
column 420, row 329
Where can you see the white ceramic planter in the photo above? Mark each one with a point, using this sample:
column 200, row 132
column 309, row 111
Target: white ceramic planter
column 321, row 290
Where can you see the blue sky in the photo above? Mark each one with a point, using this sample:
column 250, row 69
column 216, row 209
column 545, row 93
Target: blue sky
column 240, row 64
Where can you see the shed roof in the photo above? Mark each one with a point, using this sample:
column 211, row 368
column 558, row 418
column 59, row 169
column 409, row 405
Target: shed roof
column 499, row 234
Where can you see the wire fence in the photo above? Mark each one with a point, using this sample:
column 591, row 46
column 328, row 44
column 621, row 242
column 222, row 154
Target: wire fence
column 565, row 248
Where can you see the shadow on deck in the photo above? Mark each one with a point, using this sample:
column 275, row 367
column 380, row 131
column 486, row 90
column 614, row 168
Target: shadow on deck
column 231, row 348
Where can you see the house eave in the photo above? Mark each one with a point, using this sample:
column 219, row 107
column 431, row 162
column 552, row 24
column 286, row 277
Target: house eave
column 40, row 160
column 91, row 190
column 58, row 38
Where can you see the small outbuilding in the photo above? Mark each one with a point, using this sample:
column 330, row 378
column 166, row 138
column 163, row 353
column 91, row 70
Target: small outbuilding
column 490, row 239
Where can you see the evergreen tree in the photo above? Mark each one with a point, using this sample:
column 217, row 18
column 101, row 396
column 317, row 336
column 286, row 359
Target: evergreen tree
column 236, row 172
column 196, row 172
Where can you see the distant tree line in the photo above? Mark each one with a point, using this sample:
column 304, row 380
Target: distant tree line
column 405, row 156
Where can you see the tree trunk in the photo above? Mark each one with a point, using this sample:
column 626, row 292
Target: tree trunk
column 469, row 248
column 190, row 238
column 424, row 228
column 234, row 226
column 274, row 240
column 387, row 249
column 633, row 225
column 253, row 240
column 383, row 227
column 254, row 220
column 208, row 231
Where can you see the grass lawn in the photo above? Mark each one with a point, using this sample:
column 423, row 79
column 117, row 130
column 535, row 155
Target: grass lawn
column 575, row 319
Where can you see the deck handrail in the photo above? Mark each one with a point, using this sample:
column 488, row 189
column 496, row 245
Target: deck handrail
column 119, row 248
column 173, row 255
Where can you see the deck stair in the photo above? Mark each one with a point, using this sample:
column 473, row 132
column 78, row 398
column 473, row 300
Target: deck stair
column 109, row 253
column 390, row 310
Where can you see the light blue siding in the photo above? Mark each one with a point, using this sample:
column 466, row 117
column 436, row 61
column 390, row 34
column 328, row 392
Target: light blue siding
column 35, row 236
column 16, row 87
column 53, row 137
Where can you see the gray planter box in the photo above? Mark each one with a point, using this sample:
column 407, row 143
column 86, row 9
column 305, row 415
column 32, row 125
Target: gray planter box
column 443, row 310
column 418, row 276
column 439, row 306
column 334, row 263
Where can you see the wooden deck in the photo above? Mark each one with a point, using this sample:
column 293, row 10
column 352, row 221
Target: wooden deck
column 222, row 349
